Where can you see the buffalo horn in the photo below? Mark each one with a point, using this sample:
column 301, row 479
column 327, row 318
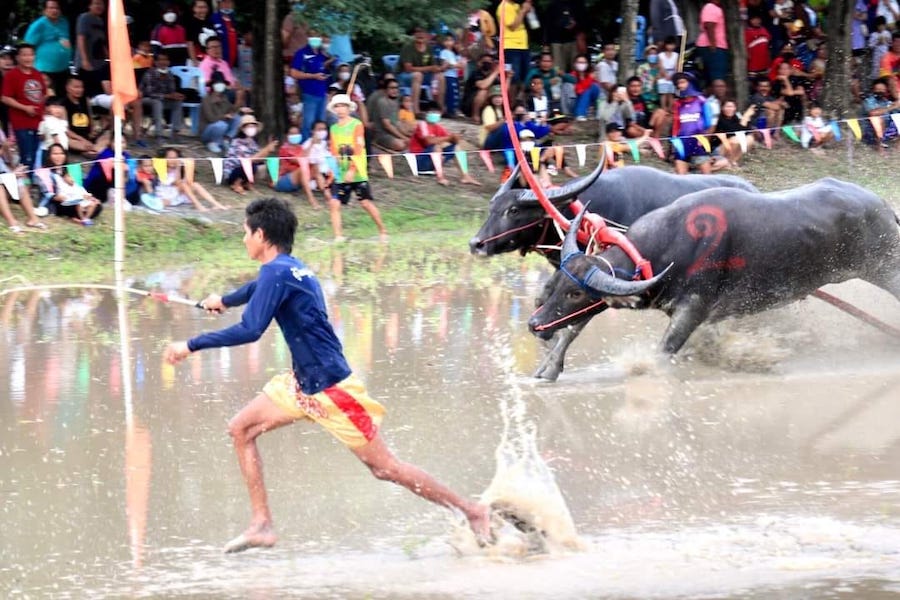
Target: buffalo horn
column 570, row 190
column 605, row 284
column 511, row 181
column 570, row 243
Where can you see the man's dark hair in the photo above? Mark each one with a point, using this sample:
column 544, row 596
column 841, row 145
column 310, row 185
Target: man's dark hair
column 894, row 36
column 276, row 219
column 22, row 45
column 635, row 78
column 53, row 101
column 212, row 38
column 882, row 80
column 610, row 127
column 880, row 20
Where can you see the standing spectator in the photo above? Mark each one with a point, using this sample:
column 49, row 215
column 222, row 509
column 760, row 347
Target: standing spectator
column 159, row 92
column 24, row 93
column 648, row 73
column 452, row 63
column 665, row 20
column 7, row 62
column 668, row 65
column 226, row 30
column 348, row 146
column 219, row 118
column 565, row 22
column 198, row 27
column 793, row 95
column 759, row 53
column 319, row 154
column 515, row 38
column 880, row 42
column 311, row 68
column 170, row 36
column 387, row 132
column 213, row 62
column 712, row 42
column 690, row 117
column 293, row 32
column 478, row 85
column 607, row 71
column 52, row 44
column 429, row 136
column 890, row 64
column 858, row 41
column 890, row 11
column 879, row 103
column 92, row 48
column 479, row 37
column 245, row 146
column 419, row 69
column 587, row 89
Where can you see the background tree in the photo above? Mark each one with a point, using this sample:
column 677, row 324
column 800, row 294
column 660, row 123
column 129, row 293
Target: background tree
column 268, row 75
column 629, row 10
column 734, row 27
column 836, row 92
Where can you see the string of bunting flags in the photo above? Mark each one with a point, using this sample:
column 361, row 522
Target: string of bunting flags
column 160, row 165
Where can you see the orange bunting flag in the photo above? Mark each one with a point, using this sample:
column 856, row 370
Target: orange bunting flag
column 12, row 186
column 535, row 159
column 723, row 139
column 878, row 126
column 386, row 163
column 247, row 165
column 160, row 166
column 216, row 164
column 580, row 152
column 188, row 164
column 853, row 124
column 486, row 159
column 657, row 147
column 411, row 161
column 124, row 87
column 767, row 138
column 437, row 160
column 107, row 165
column 703, row 142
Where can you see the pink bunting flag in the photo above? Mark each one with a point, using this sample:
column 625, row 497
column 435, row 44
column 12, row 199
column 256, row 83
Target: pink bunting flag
column 107, row 165
column 817, row 135
column 657, row 147
column 767, row 137
column 44, row 175
column 486, row 159
column 878, row 126
column 853, row 124
column 11, row 185
column 386, row 164
column 216, row 164
column 437, row 160
column 411, row 161
column 581, row 153
column 247, row 165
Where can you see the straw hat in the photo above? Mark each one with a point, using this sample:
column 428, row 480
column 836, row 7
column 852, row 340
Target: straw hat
column 249, row 120
column 341, row 99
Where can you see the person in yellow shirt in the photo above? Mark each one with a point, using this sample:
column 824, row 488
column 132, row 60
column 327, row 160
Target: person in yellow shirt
column 511, row 17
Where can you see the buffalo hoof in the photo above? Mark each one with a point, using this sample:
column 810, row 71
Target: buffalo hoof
column 548, row 372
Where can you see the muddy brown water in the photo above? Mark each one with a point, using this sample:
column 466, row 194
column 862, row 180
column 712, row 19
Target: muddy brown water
column 764, row 462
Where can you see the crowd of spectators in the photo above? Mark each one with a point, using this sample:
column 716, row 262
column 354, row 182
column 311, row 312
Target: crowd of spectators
column 56, row 93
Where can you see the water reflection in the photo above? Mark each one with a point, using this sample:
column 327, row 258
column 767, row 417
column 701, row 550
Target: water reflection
column 784, row 479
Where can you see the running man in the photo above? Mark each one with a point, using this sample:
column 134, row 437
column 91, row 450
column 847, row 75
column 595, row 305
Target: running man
column 320, row 388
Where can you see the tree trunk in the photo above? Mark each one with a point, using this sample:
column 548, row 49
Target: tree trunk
column 735, row 31
column 836, row 92
column 627, row 40
column 268, row 86
column 690, row 14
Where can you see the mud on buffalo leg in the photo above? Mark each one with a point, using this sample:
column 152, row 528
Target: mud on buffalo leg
column 554, row 361
column 687, row 316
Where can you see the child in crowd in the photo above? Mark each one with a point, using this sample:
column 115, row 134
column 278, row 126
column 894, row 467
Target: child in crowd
column 53, row 128
column 880, row 43
column 553, row 162
column 142, row 60
column 319, row 155
column 245, row 146
column 615, row 146
column 815, row 131
column 668, row 64
column 70, row 198
column 406, row 113
column 451, row 61
column 24, row 197
column 295, row 108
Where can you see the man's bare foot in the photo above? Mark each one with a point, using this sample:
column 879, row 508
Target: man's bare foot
column 468, row 179
column 256, row 536
column 443, row 181
column 480, row 523
column 383, row 236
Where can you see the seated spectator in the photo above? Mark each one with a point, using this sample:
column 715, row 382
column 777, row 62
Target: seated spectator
column 719, row 90
column 647, row 116
column 52, row 129
column 616, row 146
column 559, row 85
column 159, row 91
column 142, row 60
column 648, row 74
column 727, row 155
column 878, row 104
column 69, row 199
column 491, row 116
column 586, row 87
column 24, row 197
column 101, row 187
column 476, row 89
column 796, row 68
column 246, row 146
column 690, row 117
column 769, row 110
column 103, row 103
column 817, row 73
column 499, row 138
column 213, row 61
column 406, row 113
column 429, row 136
column 176, row 189
column 318, row 152
column 890, row 64
column 219, row 118
column 617, row 108
column 816, row 132
column 82, row 136
column 536, row 100
column 291, row 176
column 294, row 108
column 420, row 70
column 388, row 133
column 553, row 162
column 170, row 36
column 793, row 95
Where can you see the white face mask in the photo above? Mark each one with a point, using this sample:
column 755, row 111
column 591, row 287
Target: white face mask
column 527, row 146
column 297, row 107
column 581, row 66
column 321, row 134
column 219, row 87
column 163, row 70
column 170, row 17
column 343, row 76
column 250, row 131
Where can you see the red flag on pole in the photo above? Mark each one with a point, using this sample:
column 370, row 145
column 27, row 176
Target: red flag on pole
column 124, row 87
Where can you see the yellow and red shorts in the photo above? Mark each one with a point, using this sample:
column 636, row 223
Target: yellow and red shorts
column 345, row 409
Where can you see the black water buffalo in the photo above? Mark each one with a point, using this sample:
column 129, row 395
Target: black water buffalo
column 517, row 221
column 730, row 253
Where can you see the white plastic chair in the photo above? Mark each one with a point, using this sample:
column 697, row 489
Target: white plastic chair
column 191, row 77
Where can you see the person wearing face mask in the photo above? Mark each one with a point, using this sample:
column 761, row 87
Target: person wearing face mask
column 311, row 67
column 560, row 86
column 159, row 92
column 219, row 118
column 214, row 63
column 198, row 27
column 878, row 103
column 171, row 36
column 246, row 146
column 291, row 177
column 430, row 136
column 648, row 72
column 226, row 31
column 342, row 77
column 587, row 89
column 478, row 85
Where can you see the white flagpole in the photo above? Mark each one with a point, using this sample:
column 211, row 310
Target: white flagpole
column 119, row 197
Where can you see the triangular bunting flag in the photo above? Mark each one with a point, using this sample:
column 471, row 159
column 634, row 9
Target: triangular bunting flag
column 853, row 124
column 463, row 159
column 580, row 152
column 767, row 137
column 679, row 147
column 44, row 176
column 657, row 147
column 411, row 161
column 535, row 159
column 723, row 139
column 132, row 167
column 895, row 117
column 703, row 142
column 792, row 135
column 107, row 165
column 272, row 167
column 188, row 164
column 12, row 186
column 837, row 130
column 742, row 140
column 635, row 153
column 359, row 163
column 159, row 165
column 878, row 126
column 247, row 166
column 817, row 135
column 332, row 164
column 217, row 168
column 387, row 164
column 510, row 157
column 486, row 159
column 437, row 159
column 74, row 170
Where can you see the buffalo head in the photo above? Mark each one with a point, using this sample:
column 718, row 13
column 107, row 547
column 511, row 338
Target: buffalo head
column 582, row 286
column 516, row 218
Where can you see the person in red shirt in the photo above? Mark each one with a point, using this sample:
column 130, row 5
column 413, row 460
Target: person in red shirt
column 24, row 93
column 429, row 136
column 291, row 175
column 757, row 39
column 889, row 66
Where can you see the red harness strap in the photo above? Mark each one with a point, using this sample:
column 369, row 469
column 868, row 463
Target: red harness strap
column 594, row 227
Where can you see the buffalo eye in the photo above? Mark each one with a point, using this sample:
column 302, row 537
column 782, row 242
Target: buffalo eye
column 575, row 294
column 512, row 211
